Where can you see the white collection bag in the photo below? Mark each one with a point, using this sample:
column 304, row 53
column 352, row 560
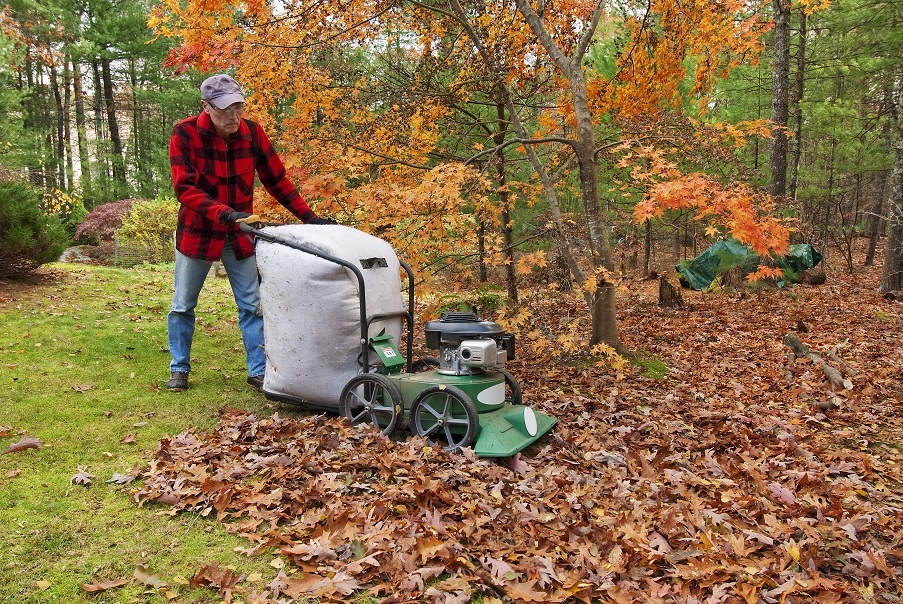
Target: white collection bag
column 311, row 308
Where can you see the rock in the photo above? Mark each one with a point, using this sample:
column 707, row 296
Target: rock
column 75, row 254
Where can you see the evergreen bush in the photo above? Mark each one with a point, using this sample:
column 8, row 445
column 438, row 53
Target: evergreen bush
column 28, row 236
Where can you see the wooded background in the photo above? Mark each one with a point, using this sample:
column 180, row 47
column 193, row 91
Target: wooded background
column 577, row 137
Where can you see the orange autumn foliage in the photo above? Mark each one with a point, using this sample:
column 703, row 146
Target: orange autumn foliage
column 744, row 213
column 372, row 153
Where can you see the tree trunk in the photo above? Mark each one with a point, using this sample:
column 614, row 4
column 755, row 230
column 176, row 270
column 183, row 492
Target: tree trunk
column 109, row 102
column 481, row 250
column 601, row 299
column 780, row 82
column 603, row 306
column 505, row 202
column 59, row 178
column 668, row 295
column 873, row 221
column 875, row 224
column 796, row 103
column 141, row 168
column 100, row 132
column 67, row 123
column 84, row 161
column 892, row 276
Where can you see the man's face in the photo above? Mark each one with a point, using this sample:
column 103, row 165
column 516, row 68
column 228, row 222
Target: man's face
column 225, row 120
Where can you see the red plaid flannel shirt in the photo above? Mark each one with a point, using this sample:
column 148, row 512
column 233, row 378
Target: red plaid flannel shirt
column 213, row 177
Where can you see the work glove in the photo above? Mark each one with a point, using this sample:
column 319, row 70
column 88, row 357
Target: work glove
column 319, row 220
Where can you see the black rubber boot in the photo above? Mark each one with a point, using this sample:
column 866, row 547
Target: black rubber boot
column 178, row 381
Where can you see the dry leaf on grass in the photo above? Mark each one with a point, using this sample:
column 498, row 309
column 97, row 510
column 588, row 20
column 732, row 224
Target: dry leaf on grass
column 145, row 576
column 82, row 477
column 97, row 586
column 211, row 575
column 26, row 442
column 121, row 478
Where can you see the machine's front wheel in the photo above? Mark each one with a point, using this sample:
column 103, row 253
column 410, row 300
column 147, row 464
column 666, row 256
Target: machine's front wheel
column 445, row 413
column 372, row 398
column 513, row 392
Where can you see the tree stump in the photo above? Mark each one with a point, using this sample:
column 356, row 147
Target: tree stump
column 633, row 261
column 813, row 276
column 733, row 279
column 668, row 295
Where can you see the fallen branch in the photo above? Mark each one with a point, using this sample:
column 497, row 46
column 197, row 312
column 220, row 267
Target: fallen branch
column 800, row 350
column 832, row 354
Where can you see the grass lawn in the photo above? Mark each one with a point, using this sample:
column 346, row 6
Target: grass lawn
column 83, row 365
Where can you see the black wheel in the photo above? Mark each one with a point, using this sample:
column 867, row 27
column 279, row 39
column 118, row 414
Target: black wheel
column 424, row 364
column 447, row 414
column 513, row 393
column 372, row 398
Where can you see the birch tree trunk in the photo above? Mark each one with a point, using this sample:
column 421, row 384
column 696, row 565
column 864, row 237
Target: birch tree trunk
column 59, row 138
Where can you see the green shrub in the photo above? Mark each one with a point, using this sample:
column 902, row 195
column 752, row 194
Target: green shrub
column 146, row 234
column 28, row 236
column 485, row 300
column 102, row 222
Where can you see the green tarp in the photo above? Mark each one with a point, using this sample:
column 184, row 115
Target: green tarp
column 721, row 256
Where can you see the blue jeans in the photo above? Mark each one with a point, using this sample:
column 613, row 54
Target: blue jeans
column 190, row 274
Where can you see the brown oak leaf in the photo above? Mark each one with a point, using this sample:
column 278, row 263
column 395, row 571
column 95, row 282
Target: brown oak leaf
column 212, row 575
column 96, row 586
column 26, row 442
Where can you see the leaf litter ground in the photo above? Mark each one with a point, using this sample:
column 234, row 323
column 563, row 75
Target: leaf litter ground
column 739, row 477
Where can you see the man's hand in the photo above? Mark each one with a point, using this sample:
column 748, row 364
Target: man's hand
column 319, row 220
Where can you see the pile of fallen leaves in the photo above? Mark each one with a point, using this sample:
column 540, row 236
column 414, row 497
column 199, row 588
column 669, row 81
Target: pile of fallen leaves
column 725, row 482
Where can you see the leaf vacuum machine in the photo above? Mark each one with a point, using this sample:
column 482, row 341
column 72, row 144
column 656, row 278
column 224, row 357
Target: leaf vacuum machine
column 334, row 314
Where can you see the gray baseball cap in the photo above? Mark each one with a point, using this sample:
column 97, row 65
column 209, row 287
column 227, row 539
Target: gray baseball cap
column 222, row 91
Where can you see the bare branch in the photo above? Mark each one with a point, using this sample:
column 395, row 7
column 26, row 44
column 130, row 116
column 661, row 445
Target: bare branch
column 522, row 141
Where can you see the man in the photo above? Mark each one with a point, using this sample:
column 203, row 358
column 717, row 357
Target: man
column 214, row 157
